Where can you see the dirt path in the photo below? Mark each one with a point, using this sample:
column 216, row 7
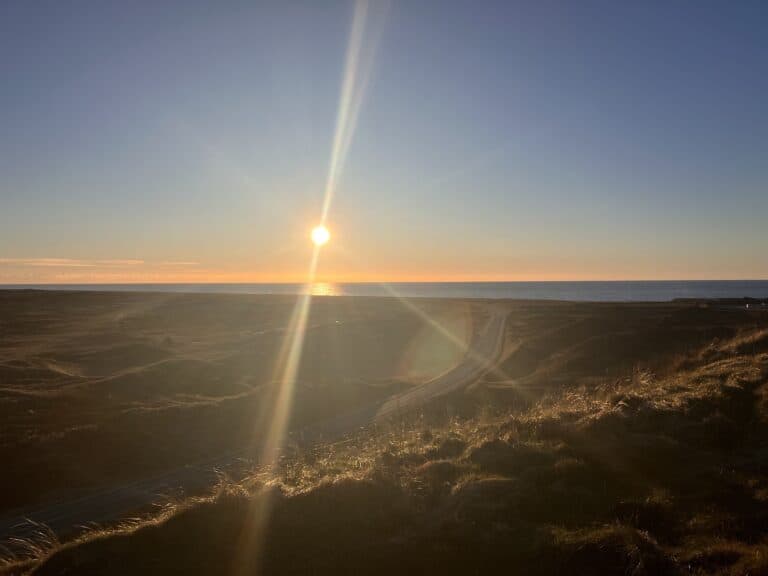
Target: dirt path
column 482, row 355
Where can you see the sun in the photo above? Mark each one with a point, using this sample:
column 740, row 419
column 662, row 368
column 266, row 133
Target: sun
column 320, row 235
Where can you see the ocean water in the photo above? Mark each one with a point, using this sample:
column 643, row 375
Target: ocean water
column 617, row 291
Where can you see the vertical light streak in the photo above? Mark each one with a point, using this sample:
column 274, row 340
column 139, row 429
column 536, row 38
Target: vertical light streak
column 289, row 360
column 247, row 561
column 357, row 67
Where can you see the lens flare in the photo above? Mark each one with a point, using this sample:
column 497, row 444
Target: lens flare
column 358, row 65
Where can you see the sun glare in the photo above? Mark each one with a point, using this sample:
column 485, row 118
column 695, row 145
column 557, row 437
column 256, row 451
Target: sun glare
column 320, row 235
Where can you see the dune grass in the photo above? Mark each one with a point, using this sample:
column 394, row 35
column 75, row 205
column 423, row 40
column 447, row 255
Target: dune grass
column 650, row 473
column 612, row 440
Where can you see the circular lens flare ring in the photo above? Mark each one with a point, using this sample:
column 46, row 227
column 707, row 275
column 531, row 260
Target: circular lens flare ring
column 320, row 235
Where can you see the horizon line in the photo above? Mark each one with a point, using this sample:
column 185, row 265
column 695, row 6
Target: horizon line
column 288, row 283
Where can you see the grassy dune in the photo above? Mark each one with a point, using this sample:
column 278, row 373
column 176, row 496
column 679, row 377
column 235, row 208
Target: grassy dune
column 101, row 389
column 613, row 440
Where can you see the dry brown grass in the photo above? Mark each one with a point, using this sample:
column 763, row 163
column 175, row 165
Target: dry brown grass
column 659, row 470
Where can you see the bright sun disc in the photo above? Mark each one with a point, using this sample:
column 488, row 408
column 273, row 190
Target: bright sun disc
column 320, row 235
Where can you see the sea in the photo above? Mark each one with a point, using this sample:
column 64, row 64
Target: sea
column 582, row 291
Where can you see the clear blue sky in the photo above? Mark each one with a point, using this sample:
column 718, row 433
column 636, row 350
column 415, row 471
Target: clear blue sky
column 495, row 140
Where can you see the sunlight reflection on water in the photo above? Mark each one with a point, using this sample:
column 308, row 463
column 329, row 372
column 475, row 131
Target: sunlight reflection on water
column 324, row 289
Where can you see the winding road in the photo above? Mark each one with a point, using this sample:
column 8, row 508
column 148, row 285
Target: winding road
column 482, row 355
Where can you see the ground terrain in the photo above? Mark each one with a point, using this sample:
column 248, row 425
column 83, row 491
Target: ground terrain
column 607, row 438
column 97, row 389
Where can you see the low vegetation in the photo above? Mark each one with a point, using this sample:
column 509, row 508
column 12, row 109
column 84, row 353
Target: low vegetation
column 151, row 382
column 656, row 468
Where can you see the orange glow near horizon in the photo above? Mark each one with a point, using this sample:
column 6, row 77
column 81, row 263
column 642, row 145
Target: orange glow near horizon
column 331, row 278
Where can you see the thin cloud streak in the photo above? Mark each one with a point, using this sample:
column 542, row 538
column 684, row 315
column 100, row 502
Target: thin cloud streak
column 83, row 263
column 46, row 262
